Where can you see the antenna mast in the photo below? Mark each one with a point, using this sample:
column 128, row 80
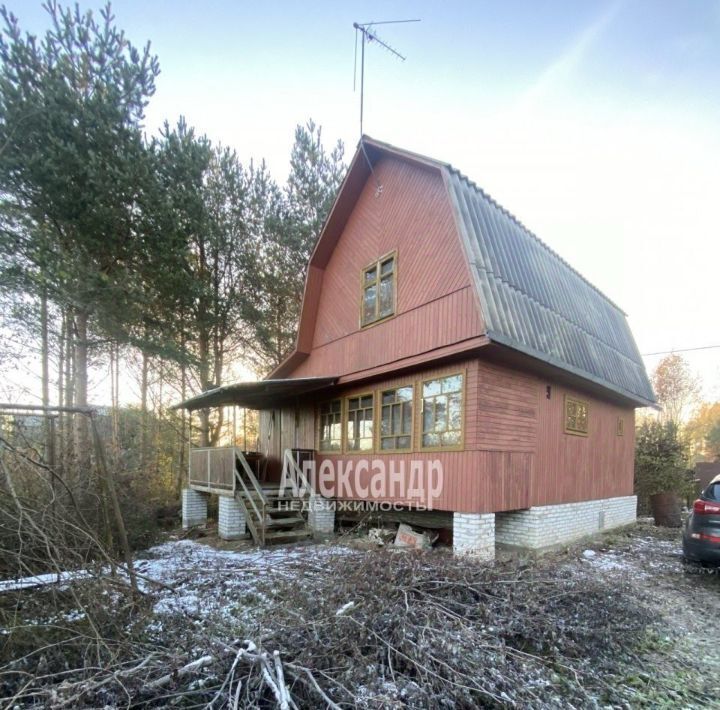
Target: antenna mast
column 369, row 35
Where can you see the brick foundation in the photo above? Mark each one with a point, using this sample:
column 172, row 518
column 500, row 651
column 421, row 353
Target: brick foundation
column 474, row 535
column 551, row 525
column 194, row 508
column 321, row 515
column 231, row 519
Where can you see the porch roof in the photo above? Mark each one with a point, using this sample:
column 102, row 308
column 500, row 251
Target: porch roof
column 256, row 395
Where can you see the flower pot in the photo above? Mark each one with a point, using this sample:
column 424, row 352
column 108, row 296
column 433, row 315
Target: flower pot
column 666, row 509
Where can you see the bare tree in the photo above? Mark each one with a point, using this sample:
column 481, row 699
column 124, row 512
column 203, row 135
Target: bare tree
column 676, row 386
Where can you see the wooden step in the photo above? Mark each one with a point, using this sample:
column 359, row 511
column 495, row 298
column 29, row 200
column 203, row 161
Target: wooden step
column 273, row 499
column 288, row 534
column 283, row 522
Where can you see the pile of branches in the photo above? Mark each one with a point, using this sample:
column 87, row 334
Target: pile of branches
column 375, row 629
column 429, row 630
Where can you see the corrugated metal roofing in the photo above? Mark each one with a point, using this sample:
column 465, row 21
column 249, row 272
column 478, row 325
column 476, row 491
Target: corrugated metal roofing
column 256, row 395
column 533, row 301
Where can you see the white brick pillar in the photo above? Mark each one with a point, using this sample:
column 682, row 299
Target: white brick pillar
column 474, row 534
column 194, row 508
column 231, row 519
column 321, row 515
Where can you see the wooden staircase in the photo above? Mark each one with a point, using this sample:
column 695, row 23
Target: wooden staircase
column 272, row 515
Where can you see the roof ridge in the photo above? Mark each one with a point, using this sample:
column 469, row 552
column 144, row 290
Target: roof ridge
column 530, row 233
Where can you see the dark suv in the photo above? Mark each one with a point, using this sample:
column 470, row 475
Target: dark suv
column 701, row 539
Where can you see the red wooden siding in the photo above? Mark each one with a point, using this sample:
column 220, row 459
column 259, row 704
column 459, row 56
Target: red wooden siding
column 436, row 303
column 516, row 453
column 574, row 468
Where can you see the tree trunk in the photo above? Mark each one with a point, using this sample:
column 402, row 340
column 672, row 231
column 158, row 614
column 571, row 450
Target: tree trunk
column 115, row 397
column 45, row 366
column 68, row 448
column 184, row 434
column 61, row 396
column 144, row 411
column 82, row 432
column 204, row 357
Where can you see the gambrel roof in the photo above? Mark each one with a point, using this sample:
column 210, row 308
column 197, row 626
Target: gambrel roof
column 532, row 301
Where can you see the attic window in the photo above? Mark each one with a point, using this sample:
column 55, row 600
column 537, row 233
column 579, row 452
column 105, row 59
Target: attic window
column 576, row 416
column 378, row 290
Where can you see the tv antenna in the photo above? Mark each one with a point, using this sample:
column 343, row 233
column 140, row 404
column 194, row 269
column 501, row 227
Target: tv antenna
column 369, row 35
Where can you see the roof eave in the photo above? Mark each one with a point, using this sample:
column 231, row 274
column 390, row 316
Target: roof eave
column 247, row 394
column 637, row 399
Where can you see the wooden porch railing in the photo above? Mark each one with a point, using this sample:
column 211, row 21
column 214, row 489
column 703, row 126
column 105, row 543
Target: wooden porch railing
column 226, row 471
column 293, row 474
column 252, row 500
column 212, row 468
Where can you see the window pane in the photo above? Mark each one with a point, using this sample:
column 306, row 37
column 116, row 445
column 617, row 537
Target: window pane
column 442, row 411
column 428, row 416
column 441, row 421
column 387, row 305
column 370, row 275
column 397, row 419
column 388, row 396
column 369, row 301
column 330, row 425
column 431, row 387
column 403, row 442
column 404, row 394
column 431, row 440
column 713, row 491
column 452, row 384
column 450, row 438
column 387, row 266
column 406, row 418
column 388, row 443
column 366, row 426
column 385, row 423
column 360, row 423
column 454, row 411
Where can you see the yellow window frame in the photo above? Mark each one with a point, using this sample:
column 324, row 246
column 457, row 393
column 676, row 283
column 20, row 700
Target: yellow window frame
column 378, row 277
column 421, row 412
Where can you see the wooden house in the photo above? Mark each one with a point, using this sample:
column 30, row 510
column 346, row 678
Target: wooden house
column 440, row 338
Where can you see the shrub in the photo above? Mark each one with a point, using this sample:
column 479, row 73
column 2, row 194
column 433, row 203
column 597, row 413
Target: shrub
column 661, row 457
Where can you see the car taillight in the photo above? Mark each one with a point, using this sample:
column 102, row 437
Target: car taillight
column 703, row 507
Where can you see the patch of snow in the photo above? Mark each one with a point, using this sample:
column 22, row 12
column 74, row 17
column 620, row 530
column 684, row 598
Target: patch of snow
column 344, row 608
column 222, row 585
column 41, row 580
column 589, row 554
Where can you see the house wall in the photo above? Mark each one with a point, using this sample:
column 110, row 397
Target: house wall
column 284, row 428
column 436, row 303
column 515, row 451
column 576, row 468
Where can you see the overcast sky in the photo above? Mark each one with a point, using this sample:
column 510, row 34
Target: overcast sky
column 596, row 123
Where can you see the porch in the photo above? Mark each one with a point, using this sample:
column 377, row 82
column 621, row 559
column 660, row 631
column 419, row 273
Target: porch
column 261, row 490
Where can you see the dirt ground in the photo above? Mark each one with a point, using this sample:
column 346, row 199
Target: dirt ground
column 614, row 622
column 658, row 613
column 682, row 657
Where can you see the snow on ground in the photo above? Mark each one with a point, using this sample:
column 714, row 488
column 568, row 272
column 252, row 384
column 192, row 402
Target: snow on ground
column 224, row 585
column 41, row 580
